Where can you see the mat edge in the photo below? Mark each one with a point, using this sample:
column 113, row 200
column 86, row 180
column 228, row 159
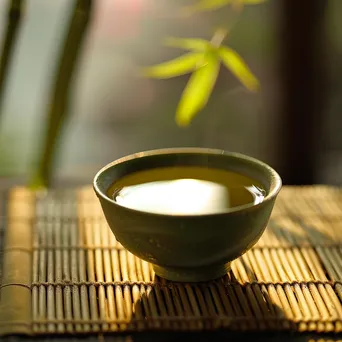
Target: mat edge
column 15, row 290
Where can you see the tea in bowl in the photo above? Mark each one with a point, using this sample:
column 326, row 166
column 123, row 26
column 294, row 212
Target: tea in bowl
column 188, row 211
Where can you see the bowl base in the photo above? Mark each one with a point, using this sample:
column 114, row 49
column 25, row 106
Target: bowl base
column 194, row 274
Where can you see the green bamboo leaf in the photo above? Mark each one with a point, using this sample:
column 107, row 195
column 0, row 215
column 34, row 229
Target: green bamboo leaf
column 175, row 67
column 253, row 2
column 239, row 68
column 209, row 5
column 194, row 44
column 198, row 90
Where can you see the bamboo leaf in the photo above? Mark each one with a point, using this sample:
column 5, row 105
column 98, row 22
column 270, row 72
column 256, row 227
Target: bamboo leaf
column 179, row 66
column 198, row 90
column 209, row 5
column 194, row 44
column 239, row 68
column 254, row 2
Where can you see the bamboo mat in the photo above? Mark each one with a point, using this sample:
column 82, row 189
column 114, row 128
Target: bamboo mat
column 64, row 272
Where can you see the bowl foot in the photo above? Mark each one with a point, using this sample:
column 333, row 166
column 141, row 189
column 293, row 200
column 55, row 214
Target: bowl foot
column 195, row 274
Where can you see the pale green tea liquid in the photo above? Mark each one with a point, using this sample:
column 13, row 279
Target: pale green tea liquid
column 186, row 190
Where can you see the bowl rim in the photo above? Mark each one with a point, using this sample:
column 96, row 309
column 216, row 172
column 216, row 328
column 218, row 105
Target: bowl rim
column 275, row 183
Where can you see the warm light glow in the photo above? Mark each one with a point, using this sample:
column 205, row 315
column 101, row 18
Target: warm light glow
column 120, row 18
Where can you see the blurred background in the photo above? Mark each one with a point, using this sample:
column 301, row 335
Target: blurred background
column 294, row 123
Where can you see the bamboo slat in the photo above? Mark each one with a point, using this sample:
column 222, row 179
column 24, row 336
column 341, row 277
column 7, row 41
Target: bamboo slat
column 76, row 278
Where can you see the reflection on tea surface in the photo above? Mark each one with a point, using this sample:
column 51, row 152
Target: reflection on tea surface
column 185, row 190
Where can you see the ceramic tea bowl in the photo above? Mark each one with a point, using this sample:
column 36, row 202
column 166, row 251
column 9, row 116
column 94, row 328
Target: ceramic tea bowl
column 189, row 248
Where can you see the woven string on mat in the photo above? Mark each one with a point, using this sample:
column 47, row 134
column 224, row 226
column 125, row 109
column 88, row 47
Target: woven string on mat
column 64, row 272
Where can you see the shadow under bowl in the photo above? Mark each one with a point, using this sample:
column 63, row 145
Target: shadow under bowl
column 188, row 248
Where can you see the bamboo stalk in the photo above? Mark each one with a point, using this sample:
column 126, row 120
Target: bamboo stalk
column 15, row 12
column 57, row 112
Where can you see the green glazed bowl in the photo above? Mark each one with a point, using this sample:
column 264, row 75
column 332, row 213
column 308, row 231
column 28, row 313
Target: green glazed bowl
column 190, row 248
